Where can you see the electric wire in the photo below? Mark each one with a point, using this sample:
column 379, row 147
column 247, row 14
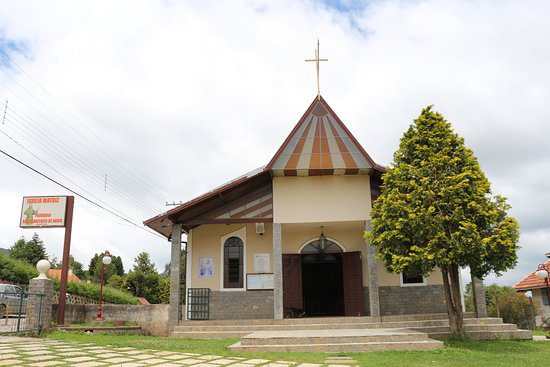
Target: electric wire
column 77, row 167
column 78, row 194
column 162, row 191
column 58, row 172
column 99, row 173
column 86, row 168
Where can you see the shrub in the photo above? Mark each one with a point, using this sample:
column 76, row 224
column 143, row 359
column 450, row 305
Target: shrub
column 16, row 271
column 110, row 295
column 514, row 308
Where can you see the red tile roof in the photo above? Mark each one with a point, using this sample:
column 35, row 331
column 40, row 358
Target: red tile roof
column 56, row 273
column 531, row 281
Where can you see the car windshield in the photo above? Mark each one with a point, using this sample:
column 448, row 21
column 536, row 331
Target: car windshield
column 5, row 288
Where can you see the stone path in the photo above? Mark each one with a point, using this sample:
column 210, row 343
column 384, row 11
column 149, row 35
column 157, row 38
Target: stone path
column 15, row 351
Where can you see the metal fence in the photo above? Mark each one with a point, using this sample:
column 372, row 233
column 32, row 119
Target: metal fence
column 21, row 312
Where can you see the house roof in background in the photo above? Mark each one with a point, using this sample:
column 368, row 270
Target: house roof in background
column 531, row 281
column 56, row 273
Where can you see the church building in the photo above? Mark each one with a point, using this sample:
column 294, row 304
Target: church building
column 286, row 240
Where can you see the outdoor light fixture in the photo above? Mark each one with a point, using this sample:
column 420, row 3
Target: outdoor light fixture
column 322, row 240
column 542, row 274
column 106, row 260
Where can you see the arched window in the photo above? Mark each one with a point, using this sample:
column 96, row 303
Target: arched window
column 315, row 251
column 233, row 263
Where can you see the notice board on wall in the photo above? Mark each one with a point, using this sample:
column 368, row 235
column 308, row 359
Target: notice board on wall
column 258, row 282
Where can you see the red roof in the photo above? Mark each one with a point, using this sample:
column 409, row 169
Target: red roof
column 56, row 273
column 531, row 281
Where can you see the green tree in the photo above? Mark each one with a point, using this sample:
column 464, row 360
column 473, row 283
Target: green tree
column 77, row 267
column 118, row 265
column 96, row 265
column 117, row 281
column 144, row 280
column 74, row 265
column 92, row 265
column 29, row 251
column 436, row 210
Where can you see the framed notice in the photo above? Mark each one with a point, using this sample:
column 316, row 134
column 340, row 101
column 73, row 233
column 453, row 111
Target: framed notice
column 261, row 263
column 259, row 282
column 43, row 211
column 206, row 267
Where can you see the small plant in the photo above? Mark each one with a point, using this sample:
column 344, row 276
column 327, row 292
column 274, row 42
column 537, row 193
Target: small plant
column 545, row 325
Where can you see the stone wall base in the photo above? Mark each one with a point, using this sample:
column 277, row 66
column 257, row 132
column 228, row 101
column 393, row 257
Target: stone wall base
column 153, row 319
column 412, row 300
column 241, row 305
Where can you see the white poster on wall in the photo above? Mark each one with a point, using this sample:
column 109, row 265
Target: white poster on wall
column 206, row 267
column 261, row 263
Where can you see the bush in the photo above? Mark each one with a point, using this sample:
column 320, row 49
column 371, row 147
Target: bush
column 514, row 308
column 110, row 295
column 16, row 271
column 19, row 272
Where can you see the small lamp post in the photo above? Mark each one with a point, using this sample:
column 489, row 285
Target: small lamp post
column 106, row 260
column 542, row 274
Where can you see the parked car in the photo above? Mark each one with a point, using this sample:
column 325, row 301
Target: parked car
column 10, row 297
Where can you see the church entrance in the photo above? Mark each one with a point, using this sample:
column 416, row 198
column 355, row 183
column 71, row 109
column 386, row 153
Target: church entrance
column 322, row 281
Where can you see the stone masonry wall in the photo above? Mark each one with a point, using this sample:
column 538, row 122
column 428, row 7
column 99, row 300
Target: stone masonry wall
column 412, row 300
column 241, row 305
column 153, row 319
column 366, row 301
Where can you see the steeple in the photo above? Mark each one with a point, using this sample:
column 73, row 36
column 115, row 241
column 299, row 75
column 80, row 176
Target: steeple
column 320, row 144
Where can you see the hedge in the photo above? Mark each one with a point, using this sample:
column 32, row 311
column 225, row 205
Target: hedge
column 110, row 295
column 19, row 272
column 16, row 271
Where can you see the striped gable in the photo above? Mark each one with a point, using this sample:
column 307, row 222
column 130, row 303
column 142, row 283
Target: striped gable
column 320, row 144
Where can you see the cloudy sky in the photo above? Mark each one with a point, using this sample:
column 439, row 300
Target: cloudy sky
column 171, row 98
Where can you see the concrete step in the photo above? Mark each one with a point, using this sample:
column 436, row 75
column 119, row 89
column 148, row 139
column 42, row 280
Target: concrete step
column 489, row 335
column 426, row 316
column 238, row 327
column 469, row 328
column 210, row 334
column 344, row 336
column 343, row 340
column 344, row 347
column 324, row 320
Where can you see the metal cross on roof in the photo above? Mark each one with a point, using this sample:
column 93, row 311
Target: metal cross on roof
column 316, row 60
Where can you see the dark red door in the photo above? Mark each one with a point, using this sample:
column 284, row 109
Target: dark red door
column 292, row 282
column 353, row 283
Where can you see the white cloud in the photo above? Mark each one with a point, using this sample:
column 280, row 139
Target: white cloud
column 196, row 93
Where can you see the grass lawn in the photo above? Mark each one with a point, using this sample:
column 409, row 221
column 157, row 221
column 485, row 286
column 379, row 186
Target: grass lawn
column 456, row 353
column 540, row 332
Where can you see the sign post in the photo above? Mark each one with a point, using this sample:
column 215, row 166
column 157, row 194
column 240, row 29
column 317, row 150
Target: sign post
column 52, row 212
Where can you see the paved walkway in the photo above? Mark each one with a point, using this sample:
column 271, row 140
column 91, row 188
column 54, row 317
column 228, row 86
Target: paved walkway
column 15, row 351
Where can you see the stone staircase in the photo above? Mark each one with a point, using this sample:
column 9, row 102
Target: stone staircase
column 336, row 340
column 433, row 325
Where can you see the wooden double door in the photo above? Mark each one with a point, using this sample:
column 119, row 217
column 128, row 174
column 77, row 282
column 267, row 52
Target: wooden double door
column 323, row 288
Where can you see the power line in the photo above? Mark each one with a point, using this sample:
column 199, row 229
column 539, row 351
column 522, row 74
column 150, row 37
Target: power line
column 81, row 123
column 77, row 166
column 88, row 169
column 54, row 138
column 55, row 170
column 78, row 194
